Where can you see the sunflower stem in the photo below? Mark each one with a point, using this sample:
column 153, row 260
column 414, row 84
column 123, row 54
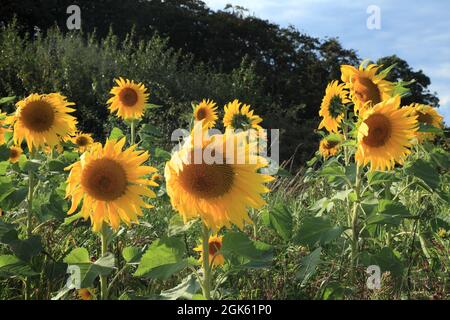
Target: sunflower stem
column 206, row 266
column 355, row 229
column 132, row 132
column 31, row 186
column 104, row 279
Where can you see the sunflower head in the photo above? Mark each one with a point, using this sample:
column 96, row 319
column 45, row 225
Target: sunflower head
column 42, row 119
column 14, row 153
column 129, row 99
column 240, row 118
column 86, row 294
column 157, row 178
column 3, row 127
column 367, row 86
column 83, row 141
column 333, row 106
column 385, row 135
column 426, row 115
column 329, row 147
column 217, row 180
column 206, row 111
column 216, row 258
column 110, row 181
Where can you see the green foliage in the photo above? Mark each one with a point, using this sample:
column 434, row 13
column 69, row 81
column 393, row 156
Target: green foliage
column 163, row 258
column 317, row 230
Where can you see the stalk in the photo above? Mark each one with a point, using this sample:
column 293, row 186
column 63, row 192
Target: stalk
column 132, row 132
column 206, row 266
column 355, row 229
column 104, row 279
column 31, row 187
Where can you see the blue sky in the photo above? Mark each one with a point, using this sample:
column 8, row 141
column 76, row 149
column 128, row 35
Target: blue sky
column 415, row 30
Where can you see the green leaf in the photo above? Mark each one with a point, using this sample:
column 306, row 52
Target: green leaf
column 334, row 169
column 187, row 289
column 4, row 152
column 78, row 256
column 163, row 258
column 26, row 249
column 315, row 230
column 3, row 167
column 14, row 199
column 386, row 259
column 308, row 266
column 30, row 165
column 116, row 134
column 255, row 253
column 6, row 100
column 132, row 254
column 177, row 225
column 430, row 129
column 149, row 129
column 11, row 266
column 280, row 219
column 389, row 213
column 335, row 291
column 87, row 271
column 8, row 232
column 162, row 155
column 378, row 177
column 56, row 165
column 424, row 171
column 283, row 173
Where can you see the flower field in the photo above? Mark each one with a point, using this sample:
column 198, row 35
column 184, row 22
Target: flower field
column 89, row 219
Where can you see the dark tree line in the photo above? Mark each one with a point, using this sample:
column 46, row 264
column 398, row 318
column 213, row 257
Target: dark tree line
column 294, row 68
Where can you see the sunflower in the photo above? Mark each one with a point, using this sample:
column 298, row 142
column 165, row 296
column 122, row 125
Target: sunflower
column 3, row 130
column 42, row 119
column 58, row 148
column 157, row 178
column 367, row 86
column 14, row 153
column 333, row 106
column 85, row 294
column 240, row 118
column 216, row 258
column 206, row 110
column 129, row 99
column 426, row 115
column 110, row 182
column 385, row 134
column 82, row 140
column 329, row 147
column 219, row 191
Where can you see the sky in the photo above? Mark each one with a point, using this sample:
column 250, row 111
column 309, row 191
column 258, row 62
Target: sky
column 417, row 31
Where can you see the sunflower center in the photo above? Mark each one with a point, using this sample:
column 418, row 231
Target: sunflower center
column 38, row 116
column 331, row 144
column 336, row 108
column 379, row 130
column 241, row 121
column 214, row 247
column 207, row 181
column 13, row 153
column 201, row 114
column 425, row 118
column 104, row 180
column 128, row 97
column 366, row 90
column 82, row 141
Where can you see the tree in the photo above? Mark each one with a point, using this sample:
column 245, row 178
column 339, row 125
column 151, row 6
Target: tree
column 403, row 72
